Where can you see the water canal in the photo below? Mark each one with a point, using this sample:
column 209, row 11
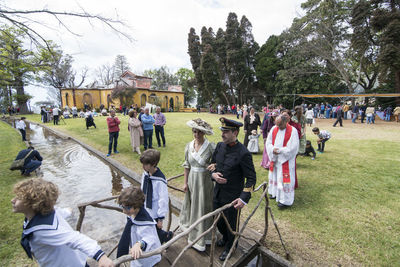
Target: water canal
column 81, row 177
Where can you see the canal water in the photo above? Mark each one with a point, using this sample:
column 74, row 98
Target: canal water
column 81, row 177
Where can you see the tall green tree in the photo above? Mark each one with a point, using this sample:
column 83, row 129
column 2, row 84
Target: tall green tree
column 18, row 65
column 121, row 65
column 209, row 70
column 186, row 79
column 385, row 21
column 161, row 78
column 194, row 51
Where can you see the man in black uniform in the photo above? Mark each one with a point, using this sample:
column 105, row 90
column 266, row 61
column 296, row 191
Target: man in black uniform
column 234, row 163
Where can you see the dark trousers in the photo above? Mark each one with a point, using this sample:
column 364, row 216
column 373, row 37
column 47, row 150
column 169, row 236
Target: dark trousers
column 162, row 235
column 55, row 119
column 23, row 133
column 338, row 120
column 112, row 138
column 160, row 130
column 321, row 146
column 31, row 166
column 148, row 139
column 232, row 215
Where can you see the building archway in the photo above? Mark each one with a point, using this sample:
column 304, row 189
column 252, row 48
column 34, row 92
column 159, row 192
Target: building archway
column 87, row 98
column 171, row 103
column 143, row 100
column 152, row 98
column 66, row 99
column 166, row 102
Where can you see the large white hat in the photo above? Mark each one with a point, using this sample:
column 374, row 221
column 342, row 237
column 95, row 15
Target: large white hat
column 201, row 125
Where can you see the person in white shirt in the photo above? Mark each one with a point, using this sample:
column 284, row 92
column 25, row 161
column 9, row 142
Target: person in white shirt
column 56, row 114
column 309, row 116
column 66, row 114
column 46, row 235
column 20, row 125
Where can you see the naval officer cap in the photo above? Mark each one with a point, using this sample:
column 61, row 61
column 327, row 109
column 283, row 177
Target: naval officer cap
column 227, row 124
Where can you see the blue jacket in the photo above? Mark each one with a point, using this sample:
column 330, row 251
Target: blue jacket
column 147, row 121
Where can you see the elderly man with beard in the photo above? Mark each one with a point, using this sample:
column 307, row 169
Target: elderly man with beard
column 282, row 147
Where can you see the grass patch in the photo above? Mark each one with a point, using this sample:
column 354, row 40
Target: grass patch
column 348, row 199
column 11, row 252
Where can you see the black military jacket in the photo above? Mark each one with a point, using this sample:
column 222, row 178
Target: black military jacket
column 235, row 163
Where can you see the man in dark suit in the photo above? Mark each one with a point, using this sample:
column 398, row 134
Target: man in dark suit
column 234, row 165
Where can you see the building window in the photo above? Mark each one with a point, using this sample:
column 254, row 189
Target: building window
column 171, row 103
column 87, row 99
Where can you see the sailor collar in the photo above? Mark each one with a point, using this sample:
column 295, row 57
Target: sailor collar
column 40, row 222
column 142, row 218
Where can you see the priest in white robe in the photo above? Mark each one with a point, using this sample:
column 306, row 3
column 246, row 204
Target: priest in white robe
column 282, row 147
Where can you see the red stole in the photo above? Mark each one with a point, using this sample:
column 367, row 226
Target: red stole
column 285, row 165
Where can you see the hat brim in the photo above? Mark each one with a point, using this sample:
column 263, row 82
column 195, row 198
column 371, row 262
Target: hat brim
column 194, row 125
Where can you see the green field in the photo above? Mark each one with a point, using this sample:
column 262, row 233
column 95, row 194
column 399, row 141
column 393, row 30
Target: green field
column 346, row 209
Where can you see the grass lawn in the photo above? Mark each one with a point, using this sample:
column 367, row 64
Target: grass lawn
column 11, row 252
column 346, row 209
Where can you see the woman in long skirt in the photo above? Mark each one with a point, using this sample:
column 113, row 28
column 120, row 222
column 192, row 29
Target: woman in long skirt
column 135, row 130
column 198, row 185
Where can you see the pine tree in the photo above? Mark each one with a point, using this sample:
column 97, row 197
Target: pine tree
column 209, row 70
column 120, row 66
column 194, row 51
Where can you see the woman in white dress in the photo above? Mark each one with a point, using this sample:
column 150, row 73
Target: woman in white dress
column 135, row 130
column 198, row 185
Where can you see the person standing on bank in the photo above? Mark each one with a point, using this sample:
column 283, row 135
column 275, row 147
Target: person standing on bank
column 233, row 166
column 56, row 115
column 113, row 132
column 251, row 122
column 135, row 130
column 198, row 184
column 299, row 118
column 147, row 122
column 282, row 147
column 21, row 126
column 339, row 113
column 159, row 123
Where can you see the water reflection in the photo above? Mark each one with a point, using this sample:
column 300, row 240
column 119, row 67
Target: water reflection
column 81, row 177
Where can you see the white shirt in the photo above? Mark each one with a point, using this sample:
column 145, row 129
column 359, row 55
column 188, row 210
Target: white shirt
column 20, row 125
column 55, row 111
column 60, row 245
column 309, row 114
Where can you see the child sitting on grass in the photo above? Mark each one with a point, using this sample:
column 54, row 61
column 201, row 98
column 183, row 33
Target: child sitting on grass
column 309, row 149
column 323, row 136
column 154, row 186
column 46, row 235
column 140, row 230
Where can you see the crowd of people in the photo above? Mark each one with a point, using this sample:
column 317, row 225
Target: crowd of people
column 224, row 171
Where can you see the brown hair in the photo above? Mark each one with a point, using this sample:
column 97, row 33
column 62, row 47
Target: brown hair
column 37, row 194
column 131, row 113
column 150, row 156
column 131, row 196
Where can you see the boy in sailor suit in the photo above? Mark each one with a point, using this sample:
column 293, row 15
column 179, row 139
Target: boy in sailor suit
column 154, row 186
column 46, row 235
column 140, row 230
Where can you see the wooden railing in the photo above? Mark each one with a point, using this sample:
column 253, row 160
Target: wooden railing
column 217, row 214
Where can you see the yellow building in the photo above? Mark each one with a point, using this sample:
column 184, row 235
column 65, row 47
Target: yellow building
column 94, row 97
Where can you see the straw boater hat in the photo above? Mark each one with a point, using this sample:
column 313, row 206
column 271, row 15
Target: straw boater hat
column 201, row 125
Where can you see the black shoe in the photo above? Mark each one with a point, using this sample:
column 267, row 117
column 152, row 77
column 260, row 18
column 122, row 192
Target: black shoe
column 282, row 206
column 221, row 243
column 169, row 236
column 271, row 197
column 223, row 255
column 163, row 145
column 159, row 145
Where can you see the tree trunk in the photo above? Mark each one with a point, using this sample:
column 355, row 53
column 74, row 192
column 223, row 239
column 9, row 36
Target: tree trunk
column 397, row 86
column 19, row 86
